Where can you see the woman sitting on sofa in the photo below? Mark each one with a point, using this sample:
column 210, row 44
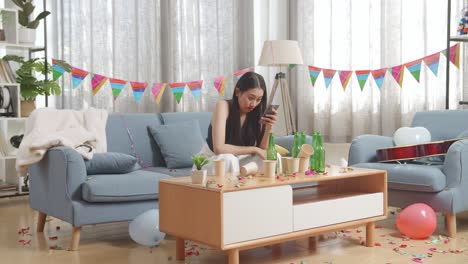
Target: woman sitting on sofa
column 238, row 132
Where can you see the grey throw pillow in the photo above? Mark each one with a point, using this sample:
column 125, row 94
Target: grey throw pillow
column 111, row 163
column 178, row 142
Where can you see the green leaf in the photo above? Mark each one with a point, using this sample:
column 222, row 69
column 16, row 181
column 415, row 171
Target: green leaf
column 19, row 3
column 33, row 24
column 28, row 8
column 23, row 19
column 42, row 15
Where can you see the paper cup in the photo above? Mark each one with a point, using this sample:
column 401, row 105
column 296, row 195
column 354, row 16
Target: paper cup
column 269, row 167
column 284, row 164
column 249, row 168
column 303, row 165
column 293, row 165
column 219, row 168
column 306, row 151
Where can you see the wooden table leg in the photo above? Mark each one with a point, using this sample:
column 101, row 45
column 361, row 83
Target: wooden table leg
column 451, row 224
column 180, row 248
column 370, row 229
column 313, row 242
column 41, row 219
column 276, row 250
column 233, row 255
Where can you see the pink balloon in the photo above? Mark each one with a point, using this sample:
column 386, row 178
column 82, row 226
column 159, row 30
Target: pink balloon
column 417, row 221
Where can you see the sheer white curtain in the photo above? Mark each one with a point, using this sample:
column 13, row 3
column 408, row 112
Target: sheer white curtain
column 152, row 41
column 369, row 34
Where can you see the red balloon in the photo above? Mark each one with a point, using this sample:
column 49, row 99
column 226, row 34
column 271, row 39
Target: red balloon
column 417, row 221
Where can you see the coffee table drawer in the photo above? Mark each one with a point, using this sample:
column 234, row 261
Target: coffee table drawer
column 257, row 213
column 331, row 209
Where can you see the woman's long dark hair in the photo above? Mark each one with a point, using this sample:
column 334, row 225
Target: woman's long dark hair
column 252, row 132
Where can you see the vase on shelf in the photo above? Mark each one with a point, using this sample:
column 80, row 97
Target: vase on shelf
column 27, row 106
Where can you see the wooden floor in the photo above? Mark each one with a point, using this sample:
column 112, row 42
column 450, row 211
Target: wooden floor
column 110, row 243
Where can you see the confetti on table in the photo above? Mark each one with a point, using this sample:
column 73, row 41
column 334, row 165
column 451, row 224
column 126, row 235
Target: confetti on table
column 25, row 242
column 55, row 248
column 53, row 238
column 378, row 244
column 237, row 185
column 417, row 260
column 23, row 231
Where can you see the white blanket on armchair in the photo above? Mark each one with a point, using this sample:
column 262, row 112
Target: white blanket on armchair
column 84, row 131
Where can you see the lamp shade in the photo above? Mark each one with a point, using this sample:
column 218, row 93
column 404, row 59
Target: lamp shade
column 280, row 52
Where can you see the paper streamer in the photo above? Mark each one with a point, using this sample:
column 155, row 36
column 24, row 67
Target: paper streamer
column 220, row 83
column 195, row 88
column 78, row 76
column 177, row 90
column 117, row 86
column 157, row 91
column 432, row 61
column 97, row 81
column 379, row 76
column 138, row 89
column 239, row 73
column 362, row 77
column 57, row 70
column 314, row 72
column 455, row 55
column 397, row 73
column 414, row 67
column 345, row 76
column 328, row 75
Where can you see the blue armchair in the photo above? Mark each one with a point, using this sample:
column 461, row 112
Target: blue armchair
column 443, row 187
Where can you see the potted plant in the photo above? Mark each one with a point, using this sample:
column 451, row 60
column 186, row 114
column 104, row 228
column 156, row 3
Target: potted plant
column 199, row 174
column 30, row 75
column 27, row 33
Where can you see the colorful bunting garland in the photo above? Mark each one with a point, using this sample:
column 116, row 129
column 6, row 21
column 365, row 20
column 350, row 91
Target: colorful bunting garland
column 138, row 89
column 158, row 90
column 220, row 83
column 177, row 90
column 78, row 76
column 195, row 87
column 117, row 85
column 97, row 81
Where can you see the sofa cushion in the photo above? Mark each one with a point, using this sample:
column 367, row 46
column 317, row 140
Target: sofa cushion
column 178, row 142
column 133, row 186
column 171, row 172
column 411, row 177
column 203, row 118
column 111, row 163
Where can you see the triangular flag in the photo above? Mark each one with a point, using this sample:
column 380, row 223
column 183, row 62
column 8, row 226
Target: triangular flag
column 195, row 87
column 97, row 81
column 345, row 76
column 432, row 61
column 220, row 83
column 444, row 52
column 455, row 55
column 362, row 77
column 314, row 73
column 138, row 89
column 78, row 75
column 177, row 90
column 292, row 66
column 379, row 76
column 397, row 73
column 57, row 69
column 239, row 73
column 414, row 67
column 117, row 86
column 158, row 90
column 328, row 76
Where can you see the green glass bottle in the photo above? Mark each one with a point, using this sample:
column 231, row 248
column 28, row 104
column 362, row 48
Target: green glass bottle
column 319, row 159
column 271, row 151
column 314, row 146
column 294, row 151
column 303, row 138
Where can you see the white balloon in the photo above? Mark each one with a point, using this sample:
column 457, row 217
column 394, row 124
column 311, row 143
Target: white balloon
column 411, row 136
column 144, row 229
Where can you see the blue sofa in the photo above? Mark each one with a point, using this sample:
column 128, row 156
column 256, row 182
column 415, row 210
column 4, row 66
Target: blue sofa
column 60, row 186
column 444, row 187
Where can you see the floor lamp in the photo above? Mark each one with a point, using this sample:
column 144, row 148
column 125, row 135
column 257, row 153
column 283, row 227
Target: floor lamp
column 282, row 53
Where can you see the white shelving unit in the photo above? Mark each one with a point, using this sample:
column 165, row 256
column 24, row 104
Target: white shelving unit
column 12, row 125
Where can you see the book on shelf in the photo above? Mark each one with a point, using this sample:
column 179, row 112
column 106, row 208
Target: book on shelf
column 6, row 72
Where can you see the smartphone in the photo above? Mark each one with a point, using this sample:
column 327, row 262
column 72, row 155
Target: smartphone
column 269, row 110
